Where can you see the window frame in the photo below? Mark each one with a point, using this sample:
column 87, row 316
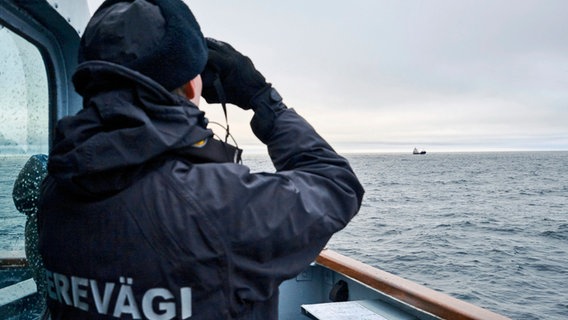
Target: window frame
column 57, row 42
column 58, row 46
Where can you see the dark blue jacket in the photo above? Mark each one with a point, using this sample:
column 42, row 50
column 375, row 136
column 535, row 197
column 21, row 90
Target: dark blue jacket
column 133, row 226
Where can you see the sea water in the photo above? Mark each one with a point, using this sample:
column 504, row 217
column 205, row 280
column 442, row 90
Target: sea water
column 487, row 228
column 11, row 221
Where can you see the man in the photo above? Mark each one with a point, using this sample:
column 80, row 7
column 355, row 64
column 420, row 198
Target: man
column 140, row 218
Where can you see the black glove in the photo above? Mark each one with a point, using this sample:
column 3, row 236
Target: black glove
column 232, row 71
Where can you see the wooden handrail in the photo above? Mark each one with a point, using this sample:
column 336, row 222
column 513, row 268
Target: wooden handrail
column 13, row 262
column 416, row 295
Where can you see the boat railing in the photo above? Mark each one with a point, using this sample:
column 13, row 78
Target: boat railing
column 13, row 262
column 17, row 292
column 406, row 291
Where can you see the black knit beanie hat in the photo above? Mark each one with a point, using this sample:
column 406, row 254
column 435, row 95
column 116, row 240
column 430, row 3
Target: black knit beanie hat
column 158, row 38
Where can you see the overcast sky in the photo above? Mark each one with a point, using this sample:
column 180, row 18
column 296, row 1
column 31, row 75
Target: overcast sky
column 440, row 75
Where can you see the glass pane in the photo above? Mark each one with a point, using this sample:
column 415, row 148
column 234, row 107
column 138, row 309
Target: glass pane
column 23, row 126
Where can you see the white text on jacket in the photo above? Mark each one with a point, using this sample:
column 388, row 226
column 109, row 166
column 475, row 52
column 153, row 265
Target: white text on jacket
column 117, row 299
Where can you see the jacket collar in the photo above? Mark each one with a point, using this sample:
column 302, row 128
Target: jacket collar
column 127, row 121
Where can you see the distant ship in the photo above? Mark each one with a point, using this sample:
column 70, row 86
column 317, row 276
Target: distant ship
column 415, row 151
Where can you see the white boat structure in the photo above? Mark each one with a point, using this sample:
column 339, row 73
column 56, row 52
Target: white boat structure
column 39, row 39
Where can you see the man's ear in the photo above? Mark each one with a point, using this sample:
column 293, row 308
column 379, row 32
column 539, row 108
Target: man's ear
column 189, row 89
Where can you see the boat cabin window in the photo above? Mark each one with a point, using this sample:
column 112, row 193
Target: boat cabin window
column 24, row 127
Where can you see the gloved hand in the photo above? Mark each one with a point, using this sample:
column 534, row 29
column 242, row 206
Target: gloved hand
column 234, row 72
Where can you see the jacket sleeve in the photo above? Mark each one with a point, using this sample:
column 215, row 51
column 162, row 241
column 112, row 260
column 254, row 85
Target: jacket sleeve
column 278, row 223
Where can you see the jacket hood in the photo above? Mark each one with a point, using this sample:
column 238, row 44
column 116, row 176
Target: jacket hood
column 127, row 121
